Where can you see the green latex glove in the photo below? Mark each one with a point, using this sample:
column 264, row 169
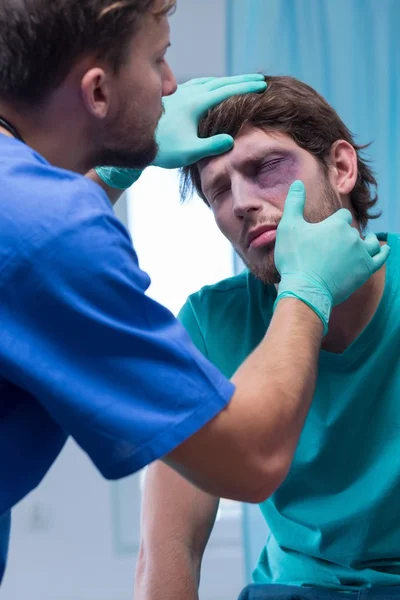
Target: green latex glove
column 118, row 178
column 323, row 263
column 178, row 142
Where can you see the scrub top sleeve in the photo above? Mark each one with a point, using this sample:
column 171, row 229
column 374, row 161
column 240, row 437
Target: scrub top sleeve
column 114, row 368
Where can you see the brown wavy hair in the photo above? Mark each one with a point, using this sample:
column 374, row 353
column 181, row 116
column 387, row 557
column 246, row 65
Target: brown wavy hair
column 292, row 107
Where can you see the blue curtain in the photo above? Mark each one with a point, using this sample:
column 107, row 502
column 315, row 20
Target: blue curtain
column 349, row 51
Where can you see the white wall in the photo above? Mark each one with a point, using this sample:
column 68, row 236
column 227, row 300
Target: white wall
column 198, row 37
column 180, row 246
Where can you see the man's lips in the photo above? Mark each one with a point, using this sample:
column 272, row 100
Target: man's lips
column 260, row 236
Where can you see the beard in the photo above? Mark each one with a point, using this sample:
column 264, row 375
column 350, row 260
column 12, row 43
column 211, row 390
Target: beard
column 126, row 157
column 129, row 143
column 263, row 268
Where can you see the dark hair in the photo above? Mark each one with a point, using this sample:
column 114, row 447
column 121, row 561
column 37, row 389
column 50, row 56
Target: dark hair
column 41, row 40
column 292, row 107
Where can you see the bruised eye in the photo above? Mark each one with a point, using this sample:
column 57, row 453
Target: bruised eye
column 269, row 165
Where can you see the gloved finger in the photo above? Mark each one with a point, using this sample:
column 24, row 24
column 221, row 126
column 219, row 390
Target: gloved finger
column 220, row 82
column 218, row 96
column 372, row 244
column 197, row 81
column 379, row 259
column 295, row 201
column 212, row 146
column 343, row 214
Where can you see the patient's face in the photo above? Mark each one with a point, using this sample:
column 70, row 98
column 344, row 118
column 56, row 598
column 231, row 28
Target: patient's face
column 247, row 188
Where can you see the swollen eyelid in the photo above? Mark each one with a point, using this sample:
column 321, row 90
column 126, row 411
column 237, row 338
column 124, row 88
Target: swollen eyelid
column 277, row 172
column 270, row 165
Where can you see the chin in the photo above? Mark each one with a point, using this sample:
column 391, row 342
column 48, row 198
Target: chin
column 263, row 268
column 266, row 272
column 127, row 159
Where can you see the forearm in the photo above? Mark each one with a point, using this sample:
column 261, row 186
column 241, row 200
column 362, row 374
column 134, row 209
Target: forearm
column 246, row 451
column 278, row 380
column 167, row 573
column 177, row 519
column 114, row 194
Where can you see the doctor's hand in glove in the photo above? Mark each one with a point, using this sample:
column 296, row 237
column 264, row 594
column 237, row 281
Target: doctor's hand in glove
column 323, row 263
column 177, row 139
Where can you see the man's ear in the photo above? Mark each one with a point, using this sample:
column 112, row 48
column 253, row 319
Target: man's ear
column 343, row 167
column 96, row 92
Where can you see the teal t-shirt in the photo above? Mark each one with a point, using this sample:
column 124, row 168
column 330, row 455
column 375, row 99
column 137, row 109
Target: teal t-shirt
column 335, row 521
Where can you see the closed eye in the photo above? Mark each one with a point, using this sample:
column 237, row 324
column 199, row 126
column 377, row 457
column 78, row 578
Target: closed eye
column 217, row 195
column 269, row 165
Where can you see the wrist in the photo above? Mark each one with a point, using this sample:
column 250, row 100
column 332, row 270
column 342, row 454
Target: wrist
column 293, row 309
column 314, row 295
column 118, row 178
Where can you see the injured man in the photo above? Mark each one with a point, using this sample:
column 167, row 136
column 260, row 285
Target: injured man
column 335, row 521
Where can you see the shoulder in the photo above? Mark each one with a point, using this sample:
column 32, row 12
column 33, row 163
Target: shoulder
column 214, row 300
column 238, row 286
column 228, row 319
column 47, row 211
column 210, row 306
column 38, row 198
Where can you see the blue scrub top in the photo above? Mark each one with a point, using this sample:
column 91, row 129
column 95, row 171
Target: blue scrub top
column 83, row 351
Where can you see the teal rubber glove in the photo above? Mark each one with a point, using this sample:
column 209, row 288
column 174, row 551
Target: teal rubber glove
column 323, row 263
column 178, row 142
column 118, row 178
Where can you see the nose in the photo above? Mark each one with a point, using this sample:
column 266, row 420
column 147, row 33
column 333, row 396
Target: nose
column 244, row 201
column 169, row 85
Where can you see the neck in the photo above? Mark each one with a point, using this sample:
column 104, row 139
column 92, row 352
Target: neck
column 57, row 137
column 351, row 317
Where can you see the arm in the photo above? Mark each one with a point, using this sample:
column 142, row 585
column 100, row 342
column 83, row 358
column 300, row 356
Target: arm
column 248, row 447
column 177, row 520
column 263, row 448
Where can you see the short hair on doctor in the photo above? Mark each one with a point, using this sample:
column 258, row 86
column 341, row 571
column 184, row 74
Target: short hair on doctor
column 41, row 40
column 292, row 107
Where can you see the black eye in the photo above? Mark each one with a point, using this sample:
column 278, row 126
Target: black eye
column 269, row 165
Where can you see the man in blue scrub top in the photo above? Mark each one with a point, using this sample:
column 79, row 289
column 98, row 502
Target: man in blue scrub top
column 83, row 351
